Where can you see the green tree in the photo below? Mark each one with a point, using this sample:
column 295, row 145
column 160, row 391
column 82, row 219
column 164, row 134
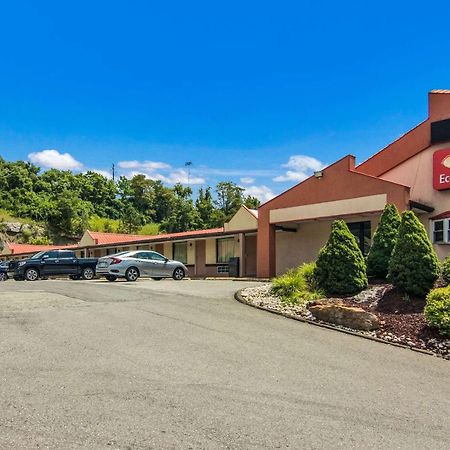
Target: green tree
column 414, row 266
column 340, row 267
column 383, row 242
column 70, row 216
column 184, row 216
column 130, row 220
column 205, row 208
column 230, row 197
column 252, row 202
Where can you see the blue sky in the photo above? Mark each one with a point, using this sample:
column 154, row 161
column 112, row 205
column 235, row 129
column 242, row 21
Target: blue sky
column 257, row 92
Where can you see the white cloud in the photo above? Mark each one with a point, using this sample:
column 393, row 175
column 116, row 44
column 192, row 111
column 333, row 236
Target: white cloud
column 263, row 193
column 301, row 167
column 172, row 177
column 105, row 173
column 52, row 159
column 144, row 165
column 247, row 180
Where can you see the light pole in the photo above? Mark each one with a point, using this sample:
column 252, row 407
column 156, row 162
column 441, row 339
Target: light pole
column 188, row 164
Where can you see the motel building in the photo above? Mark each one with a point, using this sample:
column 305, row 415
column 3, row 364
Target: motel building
column 206, row 253
column 412, row 172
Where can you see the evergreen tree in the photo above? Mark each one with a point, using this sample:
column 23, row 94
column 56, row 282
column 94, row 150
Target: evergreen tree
column 414, row 266
column 340, row 267
column 383, row 242
column 205, row 208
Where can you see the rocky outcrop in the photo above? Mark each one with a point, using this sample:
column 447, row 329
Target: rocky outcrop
column 346, row 316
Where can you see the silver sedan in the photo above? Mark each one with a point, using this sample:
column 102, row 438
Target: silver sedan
column 139, row 263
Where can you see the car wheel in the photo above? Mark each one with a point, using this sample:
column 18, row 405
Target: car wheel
column 157, row 278
column 88, row 273
column 3, row 276
column 178, row 274
column 132, row 274
column 111, row 277
column 31, row 275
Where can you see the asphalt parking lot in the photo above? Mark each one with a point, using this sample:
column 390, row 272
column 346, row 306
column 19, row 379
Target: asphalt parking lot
column 183, row 365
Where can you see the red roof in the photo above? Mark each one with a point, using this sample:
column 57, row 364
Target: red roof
column 444, row 215
column 18, row 249
column 117, row 238
column 114, row 238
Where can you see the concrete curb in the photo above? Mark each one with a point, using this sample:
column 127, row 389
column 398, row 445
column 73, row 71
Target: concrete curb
column 240, row 299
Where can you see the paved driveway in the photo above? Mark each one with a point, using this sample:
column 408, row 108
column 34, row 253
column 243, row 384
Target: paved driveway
column 183, row 365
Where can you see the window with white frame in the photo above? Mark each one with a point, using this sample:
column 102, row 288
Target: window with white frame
column 441, row 231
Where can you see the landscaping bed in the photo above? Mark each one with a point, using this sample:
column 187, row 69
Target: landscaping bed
column 401, row 320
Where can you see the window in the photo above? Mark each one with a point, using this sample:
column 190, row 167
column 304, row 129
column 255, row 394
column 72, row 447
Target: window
column 180, row 252
column 362, row 233
column 64, row 254
column 441, row 231
column 225, row 249
column 142, row 255
column 157, row 257
column 52, row 254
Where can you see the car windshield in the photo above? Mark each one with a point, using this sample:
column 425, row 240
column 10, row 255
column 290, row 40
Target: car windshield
column 38, row 255
column 116, row 254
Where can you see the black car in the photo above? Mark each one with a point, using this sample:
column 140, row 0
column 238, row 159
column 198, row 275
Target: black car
column 53, row 263
column 4, row 266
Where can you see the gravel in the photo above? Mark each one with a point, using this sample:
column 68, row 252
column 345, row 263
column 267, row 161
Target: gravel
column 400, row 327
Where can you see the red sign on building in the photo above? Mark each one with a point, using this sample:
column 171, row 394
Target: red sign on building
column 441, row 169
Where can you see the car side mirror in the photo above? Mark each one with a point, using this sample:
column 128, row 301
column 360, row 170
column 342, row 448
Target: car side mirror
column 45, row 257
column 166, row 260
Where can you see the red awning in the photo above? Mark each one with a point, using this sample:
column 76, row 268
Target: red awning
column 444, row 215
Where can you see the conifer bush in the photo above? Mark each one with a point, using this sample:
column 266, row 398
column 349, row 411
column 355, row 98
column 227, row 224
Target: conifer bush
column 437, row 310
column 383, row 242
column 446, row 270
column 340, row 267
column 414, row 266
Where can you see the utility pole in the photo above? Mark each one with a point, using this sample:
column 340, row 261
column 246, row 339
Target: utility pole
column 114, row 172
column 188, row 164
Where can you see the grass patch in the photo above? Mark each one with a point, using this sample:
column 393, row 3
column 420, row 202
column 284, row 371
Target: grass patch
column 6, row 216
column 150, row 229
column 297, row 286
column 105, row 225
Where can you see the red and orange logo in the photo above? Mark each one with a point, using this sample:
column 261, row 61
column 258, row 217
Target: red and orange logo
column 441, row 169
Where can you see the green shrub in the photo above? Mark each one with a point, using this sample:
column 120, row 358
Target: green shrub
column 297, row 286
column 383, row 242
column 149, row 229
column 437, row 310
column 446, row 270
column 414, row 266
column 341, row 268
column 41, row 240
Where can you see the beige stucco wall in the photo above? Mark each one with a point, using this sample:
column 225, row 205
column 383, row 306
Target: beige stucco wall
column 168, row 250
column 417, row 172
column 86, row 240
column 293, row 249
column 191, row 252
column 211, row 257
column 242, row 220
column 329, row 209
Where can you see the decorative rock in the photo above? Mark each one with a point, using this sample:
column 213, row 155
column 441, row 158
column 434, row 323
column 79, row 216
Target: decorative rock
column 13, row 227
column 347, row 316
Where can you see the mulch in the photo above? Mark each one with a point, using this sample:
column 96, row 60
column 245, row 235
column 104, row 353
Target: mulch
column 402, row 316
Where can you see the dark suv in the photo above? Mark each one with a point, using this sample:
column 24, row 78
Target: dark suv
column 4, row 267
column 53, row 263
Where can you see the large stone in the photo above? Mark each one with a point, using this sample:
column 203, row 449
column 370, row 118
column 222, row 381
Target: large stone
column 347, row 316
column 13, row 227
